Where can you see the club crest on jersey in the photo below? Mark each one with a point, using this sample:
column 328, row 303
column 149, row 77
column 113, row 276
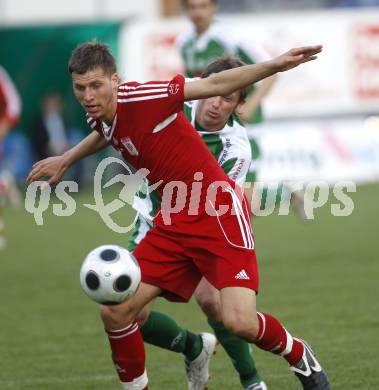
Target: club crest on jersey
column 129, row 146
column 173, row 89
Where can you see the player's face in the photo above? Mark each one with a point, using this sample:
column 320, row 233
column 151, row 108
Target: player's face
column 96, row 91
column 201, row 13
column 212, row 114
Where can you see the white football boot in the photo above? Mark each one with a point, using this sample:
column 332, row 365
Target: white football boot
column 257, row 386
column 197, row 370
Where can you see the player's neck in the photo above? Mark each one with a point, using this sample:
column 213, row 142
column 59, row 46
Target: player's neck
column 200, row 30
column 111, row 112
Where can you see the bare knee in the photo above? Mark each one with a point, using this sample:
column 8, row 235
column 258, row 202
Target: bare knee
column 241, row 324
column 116, row 317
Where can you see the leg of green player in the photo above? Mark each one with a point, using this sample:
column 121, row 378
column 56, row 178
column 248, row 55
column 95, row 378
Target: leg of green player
column 162, row 331
column 239, row 352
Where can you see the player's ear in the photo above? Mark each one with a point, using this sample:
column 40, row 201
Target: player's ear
column 240, row 107
column 115, row 79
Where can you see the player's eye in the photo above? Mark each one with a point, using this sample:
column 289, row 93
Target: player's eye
column 79, row 87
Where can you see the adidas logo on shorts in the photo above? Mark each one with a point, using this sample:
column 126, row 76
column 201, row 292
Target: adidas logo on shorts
column 242, row 275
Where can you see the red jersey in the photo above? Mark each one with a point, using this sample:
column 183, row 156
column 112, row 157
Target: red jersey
column 150, row 131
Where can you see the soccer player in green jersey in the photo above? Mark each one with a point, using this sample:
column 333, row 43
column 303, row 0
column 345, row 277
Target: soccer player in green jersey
column 208, row 39
column 224, row 134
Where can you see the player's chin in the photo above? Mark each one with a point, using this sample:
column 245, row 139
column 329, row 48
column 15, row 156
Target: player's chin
column 94, row 114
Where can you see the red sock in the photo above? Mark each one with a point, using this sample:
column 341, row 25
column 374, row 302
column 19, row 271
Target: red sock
column 128, row 354
column 273, row 337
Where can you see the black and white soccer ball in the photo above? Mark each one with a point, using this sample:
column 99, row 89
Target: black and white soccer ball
column 110, row 275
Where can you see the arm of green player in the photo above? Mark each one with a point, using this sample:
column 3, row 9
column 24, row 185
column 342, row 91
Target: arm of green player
column 228, row 81
column 247, row 110
column 55, row 167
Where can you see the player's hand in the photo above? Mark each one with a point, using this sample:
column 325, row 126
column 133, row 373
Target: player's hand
column 296, row 56
column 53, row 168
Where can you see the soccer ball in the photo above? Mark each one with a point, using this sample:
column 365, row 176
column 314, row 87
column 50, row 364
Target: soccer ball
column 110, row 274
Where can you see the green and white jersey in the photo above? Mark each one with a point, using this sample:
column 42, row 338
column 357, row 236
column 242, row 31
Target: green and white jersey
column 198, row 51
column 231, row 148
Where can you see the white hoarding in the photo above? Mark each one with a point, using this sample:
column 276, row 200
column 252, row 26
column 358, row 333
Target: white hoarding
column 329, row 150
column 345, row 78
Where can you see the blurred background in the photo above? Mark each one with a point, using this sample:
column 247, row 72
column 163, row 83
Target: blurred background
column 321, row 123
column 329, row 101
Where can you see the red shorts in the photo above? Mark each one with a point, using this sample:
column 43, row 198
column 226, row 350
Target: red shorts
column 218, row 247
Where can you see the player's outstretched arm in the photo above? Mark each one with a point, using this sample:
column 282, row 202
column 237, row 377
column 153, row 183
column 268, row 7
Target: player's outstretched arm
column 55, row 167
column 228, row 81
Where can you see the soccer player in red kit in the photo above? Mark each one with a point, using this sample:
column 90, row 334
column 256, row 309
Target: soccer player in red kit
column 203, row 227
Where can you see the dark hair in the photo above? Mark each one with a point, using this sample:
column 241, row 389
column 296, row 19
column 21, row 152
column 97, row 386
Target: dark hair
column 224, row 63
column 91, row 55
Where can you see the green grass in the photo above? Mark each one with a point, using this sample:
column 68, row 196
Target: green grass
column 320, row 278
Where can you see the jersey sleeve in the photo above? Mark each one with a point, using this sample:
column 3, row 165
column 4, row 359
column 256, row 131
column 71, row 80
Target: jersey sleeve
column 153, row 102
column 242, row 47
column 182, row 39
column 181, row 42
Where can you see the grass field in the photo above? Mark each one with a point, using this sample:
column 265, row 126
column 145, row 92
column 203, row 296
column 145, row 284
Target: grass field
column 320, row 278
